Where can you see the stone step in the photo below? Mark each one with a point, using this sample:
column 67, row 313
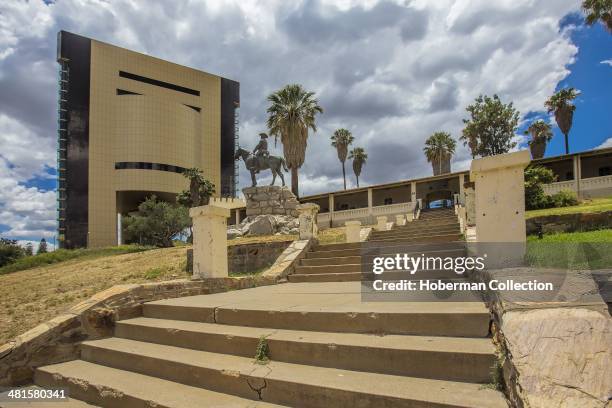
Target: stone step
column 380, row 250
column 70, row 402
column 356, row 276
column 446, row 358
column 415, row 226
column 448, row 237
column 399, row 234
column 285, row 383
column 111, row 387
column 327, row 277
column 464, row 319
column 367, row 269
column 322, row 251
column 430, row 222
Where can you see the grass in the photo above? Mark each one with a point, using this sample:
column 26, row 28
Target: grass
column 62, row 255
column 40, row 287
column 586, row 206
column 573, row 250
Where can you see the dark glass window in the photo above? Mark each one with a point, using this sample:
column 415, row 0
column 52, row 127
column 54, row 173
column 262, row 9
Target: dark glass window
column 604, row 171
column 124, row 92
column 156, row 82
column 148, row 166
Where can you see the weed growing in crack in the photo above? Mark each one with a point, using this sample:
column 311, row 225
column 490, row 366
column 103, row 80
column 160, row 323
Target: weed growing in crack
column 262, row 352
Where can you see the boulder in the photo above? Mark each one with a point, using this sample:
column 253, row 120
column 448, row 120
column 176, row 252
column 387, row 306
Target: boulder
column 267, row 224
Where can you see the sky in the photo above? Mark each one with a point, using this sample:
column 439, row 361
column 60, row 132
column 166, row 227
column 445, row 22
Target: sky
column 392, row 72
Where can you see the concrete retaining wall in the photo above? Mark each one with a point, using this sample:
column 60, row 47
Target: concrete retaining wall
column 570, row 222
column 246, row 258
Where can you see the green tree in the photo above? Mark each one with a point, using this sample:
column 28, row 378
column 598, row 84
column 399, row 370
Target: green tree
column 29, row 249
column 341, row 140
column 541, row 133
column 42, row 247
column 200, row 189
column 359, row 157
column 561, row 104
column 439, row 148
column 596, row 10
column 491, row 126
column 155, row 223
column 291, row 114
column 535, row 176
column 10, row 251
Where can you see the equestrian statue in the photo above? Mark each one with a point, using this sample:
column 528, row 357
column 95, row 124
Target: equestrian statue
column 260, row 159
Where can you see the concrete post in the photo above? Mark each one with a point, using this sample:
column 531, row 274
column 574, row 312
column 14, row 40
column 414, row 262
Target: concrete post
column 577, row 174
column 237, row 216
column 413, row 192
column 209, row 241
column 461, row 192
column 308, row 220
column 500, row 206
column 409, row 217
column 400, row 220
column 353, row 230
column 381, row 223
column 370, row 201
column 331, row 210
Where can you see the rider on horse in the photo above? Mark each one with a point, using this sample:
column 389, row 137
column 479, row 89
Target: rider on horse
column 261, row 150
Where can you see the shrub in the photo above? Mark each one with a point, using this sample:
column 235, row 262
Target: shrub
column 10, row 251
column 156, row 223
column 535, row 198
column 564, row 198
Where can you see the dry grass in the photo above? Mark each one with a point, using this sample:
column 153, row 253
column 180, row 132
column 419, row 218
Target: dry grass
column 32, row 296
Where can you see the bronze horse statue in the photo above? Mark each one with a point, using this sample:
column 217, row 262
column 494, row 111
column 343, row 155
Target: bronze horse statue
column 254, row 165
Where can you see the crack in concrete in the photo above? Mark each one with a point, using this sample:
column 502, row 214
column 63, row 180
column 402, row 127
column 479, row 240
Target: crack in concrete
column 258, row 390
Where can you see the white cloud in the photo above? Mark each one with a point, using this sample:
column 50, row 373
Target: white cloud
column 608, row 62
column 392, row 73
column 606, row 143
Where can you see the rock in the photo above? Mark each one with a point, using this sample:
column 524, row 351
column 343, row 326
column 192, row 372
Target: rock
column 233, row 232
column 263, row 225
column 270, row 200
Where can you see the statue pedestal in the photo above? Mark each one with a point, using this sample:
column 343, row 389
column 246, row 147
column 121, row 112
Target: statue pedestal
column 270, row 200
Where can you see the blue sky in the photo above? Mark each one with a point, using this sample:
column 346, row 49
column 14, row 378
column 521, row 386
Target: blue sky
column 592, row 123
column 391, row 71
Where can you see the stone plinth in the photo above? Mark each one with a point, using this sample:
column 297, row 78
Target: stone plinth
column 272, row 200
column 353, row 231
column 209, row 241
column 308, row 220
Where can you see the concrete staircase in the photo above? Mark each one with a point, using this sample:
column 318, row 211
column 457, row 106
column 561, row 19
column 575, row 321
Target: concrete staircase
column 435, row 233
column 327, row 347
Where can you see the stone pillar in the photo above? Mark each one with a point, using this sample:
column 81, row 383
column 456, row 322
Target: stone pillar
column 577, row 174
column 381, row 223
column 370, row 201
column 209, row 241
column 461, row 189
column 331, row 210
column 237, row 216
column 409, row 217
column 500, row 206
column 470, row 204
column 413, row 192
column 400, row 220
column 308, row 220
column 119, row 230
column 353, row 231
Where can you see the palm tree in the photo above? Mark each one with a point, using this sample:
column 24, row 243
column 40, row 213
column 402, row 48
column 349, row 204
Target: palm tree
column 439, row 148
column 291, row 113
column 341, row 140
column 560, row 104
column 359, row 157
column 598, row 10
column 541, row 133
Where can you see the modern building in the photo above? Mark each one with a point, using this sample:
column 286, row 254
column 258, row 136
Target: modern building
column 129, row 124
column 588, row 174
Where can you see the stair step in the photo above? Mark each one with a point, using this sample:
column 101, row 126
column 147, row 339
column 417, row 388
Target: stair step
column 419, row 229
column 463, row 319
column 424, row 238
column 112, row 387
column 367, row 268
column 71, row 402
column 447, row 358
column 327, row 251
column 402, row 235
column 285, row 383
